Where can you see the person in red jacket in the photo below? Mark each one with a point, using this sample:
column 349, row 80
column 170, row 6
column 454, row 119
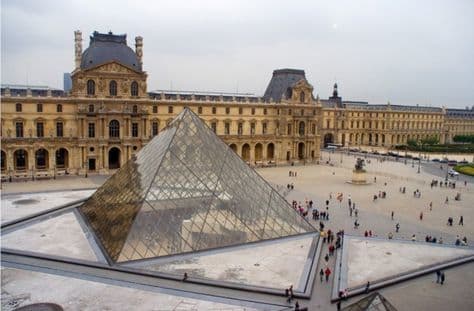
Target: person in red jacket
column 327, row 272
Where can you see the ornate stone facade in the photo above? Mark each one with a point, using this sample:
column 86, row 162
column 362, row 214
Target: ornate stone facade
column 109, row 115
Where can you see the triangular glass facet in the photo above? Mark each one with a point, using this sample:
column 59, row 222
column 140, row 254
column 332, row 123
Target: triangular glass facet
column 186, row 190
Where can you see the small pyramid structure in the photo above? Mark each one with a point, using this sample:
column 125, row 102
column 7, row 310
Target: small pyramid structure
column 373, row 302
column 185, row 191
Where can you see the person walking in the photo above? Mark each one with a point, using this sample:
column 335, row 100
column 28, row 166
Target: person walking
column 446, row 201
column 367, row 287
column 438, row 276
column 392, row 214
column 421, row 216
column 461, row 221
column 397, row 227
column 442, row 278
column 328, row 273
column 321, row 275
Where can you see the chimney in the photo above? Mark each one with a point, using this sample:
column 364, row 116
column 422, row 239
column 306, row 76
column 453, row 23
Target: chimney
column 77, row 48
column 139, row 49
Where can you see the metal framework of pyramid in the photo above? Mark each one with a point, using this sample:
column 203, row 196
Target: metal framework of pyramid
column 185, row 191
column 373, row 302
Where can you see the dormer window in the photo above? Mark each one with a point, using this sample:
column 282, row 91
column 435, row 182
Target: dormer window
column 113, row 88
column 302, row 97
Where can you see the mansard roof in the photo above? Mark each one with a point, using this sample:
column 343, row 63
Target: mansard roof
column 281, row 81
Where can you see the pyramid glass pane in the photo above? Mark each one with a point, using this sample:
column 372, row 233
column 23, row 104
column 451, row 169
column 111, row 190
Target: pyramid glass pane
column 186, row 191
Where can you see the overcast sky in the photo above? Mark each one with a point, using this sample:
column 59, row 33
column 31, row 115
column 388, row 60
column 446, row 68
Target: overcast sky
column 405, row 51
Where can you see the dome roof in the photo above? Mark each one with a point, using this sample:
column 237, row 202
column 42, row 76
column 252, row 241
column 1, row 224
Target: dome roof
column 104, row 48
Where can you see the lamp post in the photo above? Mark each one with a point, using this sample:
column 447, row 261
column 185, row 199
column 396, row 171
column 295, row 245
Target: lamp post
column 54, row 171
column 419, row 163
column 86, row 168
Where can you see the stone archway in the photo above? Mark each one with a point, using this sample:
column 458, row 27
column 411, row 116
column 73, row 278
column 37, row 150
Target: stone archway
column 114, row 158
column 233, row 147
column 20, row 160
column 41, row 159
column 301, row 151
column 328, row 139
column 4, row 161
column 246, row 152
column 62, row 158
column 270, row 151
column 258, row 152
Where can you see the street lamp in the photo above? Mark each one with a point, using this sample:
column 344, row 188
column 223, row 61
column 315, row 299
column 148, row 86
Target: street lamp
column 86, row 168
column 419, row 163
column 54, row 171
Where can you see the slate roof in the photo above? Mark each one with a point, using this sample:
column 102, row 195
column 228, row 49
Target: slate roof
column 282, row 79
column 460, row 113
column 104, row 48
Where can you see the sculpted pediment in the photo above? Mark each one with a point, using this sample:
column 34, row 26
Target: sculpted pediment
column 302, row 84
column 113, row 67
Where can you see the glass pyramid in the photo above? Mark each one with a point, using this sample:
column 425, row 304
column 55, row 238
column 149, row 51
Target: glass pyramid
column 186, row 190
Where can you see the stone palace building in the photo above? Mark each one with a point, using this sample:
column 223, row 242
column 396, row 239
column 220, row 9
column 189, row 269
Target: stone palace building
column 109, row 114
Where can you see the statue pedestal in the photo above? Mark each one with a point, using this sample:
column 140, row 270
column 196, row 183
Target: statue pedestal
column 358, row 178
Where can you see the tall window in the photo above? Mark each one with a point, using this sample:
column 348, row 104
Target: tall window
column 19, row 129
column 59, row 129
column 134, row 88
column 301, row 129
column 134, row 129
column 91, row 108
column 227, row 110
column 252, row 128
column 214, row 127
column 240, row 128
column 135, row 109
column 114, row 128
column 113, row 88
column 90, row 87
column 18, row 107
column 154, row 128
column 265, row 111
column 214, row 110
column 289, row 129
column 39, row 107
column 313, row 129
column 240, row 110
column 264, row 128
column 155, row 109
column 59, row 108
column 199, row 110
column 39, row 129
column 170, row 109
column 253, row 110
column 227, row 128
column 290, row 112
column 91, row 130
column 302, row 97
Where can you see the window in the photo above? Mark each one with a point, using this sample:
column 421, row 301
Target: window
column 289, row 129
column 302, row 97
column 227, row 128
column 154, row 128
column 264, row 111
column 214, row 127
column 18, row 108
column 313, row 129
column 278, row 111
column 91, row 130
column 113, row 88
column 264, row 128
column 155, row 109
column 302, row 129
column 135, row 109
column 114, row 128
column 314, row 112
column 19, row 129
column 39, row 107
column 90, row 87
column 241, row 110
column 253, row 110
column 134, row 129
column 39, row 129
column 59, row 108
column 134, row 88
column 214, row 110
column 302, row 112
column 170, row 109
column 199, row 110
column 240, row 128
column 91, row 108
column 227, row 110
column 289, row 112
column 252, row 128
column 327, row 124
column 59, row 129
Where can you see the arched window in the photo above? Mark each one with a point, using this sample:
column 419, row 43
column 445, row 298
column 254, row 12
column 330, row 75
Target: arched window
column 91, row 108
column 134, row 88
column 135, row 109
column 114, row 128
column 302, row 97
column 113, row 88
column 59, row 108
column 90, row 87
